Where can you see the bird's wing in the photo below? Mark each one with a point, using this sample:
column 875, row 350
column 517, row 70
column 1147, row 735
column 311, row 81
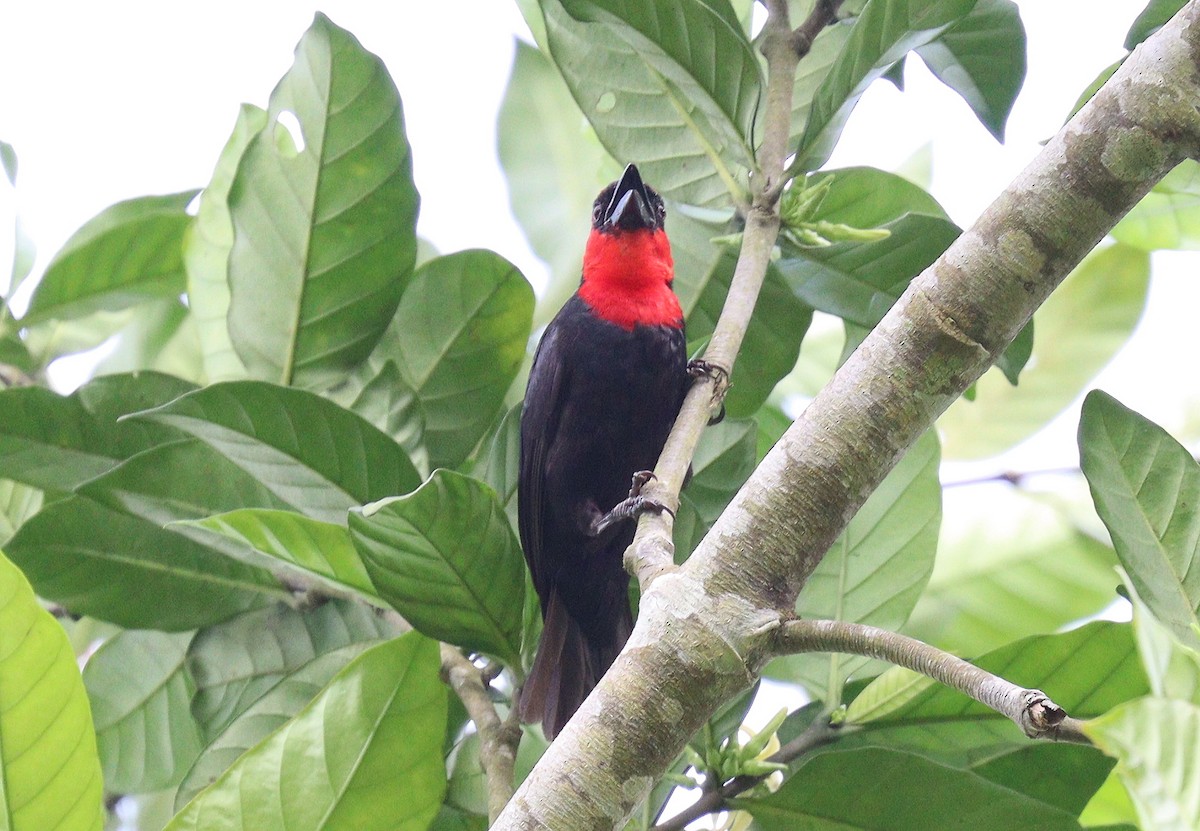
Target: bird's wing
column 539, row 426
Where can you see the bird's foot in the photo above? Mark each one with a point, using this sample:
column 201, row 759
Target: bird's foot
column 626, row 509
column 699, row 368
column 639, row 481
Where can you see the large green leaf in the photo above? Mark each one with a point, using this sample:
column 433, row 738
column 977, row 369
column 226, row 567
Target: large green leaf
column 49, row 770
column 237, row 662
column 1146, row 487
column 876, row 570
column 1063, row 775
column 1155, row 743
column 263, row 717
column 446, row 558
column 206, row 248
column 387, row 401
column 866, row 197
column 883, row 34
column 321, row 548
column 57, row 442
column 130, row 252
column 677, row 103
column 141, row 698
column 553, row 180
column 458, row 339
column 1080, row 327
column 811, row 72
column 105, row 563
column 1172, row 669
column 1168, row 216
column 907, row 793
column 325, row 239
column 375, row 731
column 1008, row 566
column 1086, row 671
column 306, row 450
column 982, row 58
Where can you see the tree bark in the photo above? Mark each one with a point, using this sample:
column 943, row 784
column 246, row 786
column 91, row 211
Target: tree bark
column 704, row 630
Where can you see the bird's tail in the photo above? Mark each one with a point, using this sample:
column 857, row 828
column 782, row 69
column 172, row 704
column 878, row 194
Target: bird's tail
column 568, row 666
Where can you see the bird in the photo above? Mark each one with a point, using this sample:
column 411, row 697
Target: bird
column 607, row 381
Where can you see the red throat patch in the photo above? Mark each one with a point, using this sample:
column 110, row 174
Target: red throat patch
column 627, row 279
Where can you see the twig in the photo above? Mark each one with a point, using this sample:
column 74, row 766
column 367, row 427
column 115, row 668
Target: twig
column 1031, row 710
column 823, row 14
column 652, row 552
column 498, row 739
column 819, row 733
column 1016, row 478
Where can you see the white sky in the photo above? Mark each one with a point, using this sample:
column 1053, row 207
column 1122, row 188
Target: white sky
column 109, row 101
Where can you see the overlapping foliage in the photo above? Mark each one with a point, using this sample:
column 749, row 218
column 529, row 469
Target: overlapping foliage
column 335, row 438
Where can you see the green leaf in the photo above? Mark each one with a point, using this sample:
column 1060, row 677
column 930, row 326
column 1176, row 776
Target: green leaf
column 1155, row 741
column 723, row 461
column 386, row 400
column 1063, row 775
column 500, row 465
column 908, row 793
column 876, row 570
column 811, row 73
column 141, row 702
column 23, row 248
column 161, row 337
column 376, row 729
column 866, row 197
column 1008, row 566
column 1168, row 217
column 17, row 503
column 237, row 662
column 859, row 281
column 982, row 58
column 130, row 252
column 1086, row 671
column 1146, row 487
column 325, row 239
column 307, row 451
column 263, row 717
column 772, row 341
column 1156, row 13
column 677, row 102
column 459, row 338
column 1080, row 327
column 321, row 548
column 51, row 771
column 107, row 564
column 551, row 181
column 446, row 558
column 1015, row 358
column 883, row 34
column 57, row 442
column 1172, row 668
column 206, row 248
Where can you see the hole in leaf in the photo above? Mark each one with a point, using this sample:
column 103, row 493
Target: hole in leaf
column 606, row 103
column 289, row 136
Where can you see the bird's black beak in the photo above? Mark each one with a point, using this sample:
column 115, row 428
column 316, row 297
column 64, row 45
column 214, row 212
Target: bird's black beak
column 630, row 208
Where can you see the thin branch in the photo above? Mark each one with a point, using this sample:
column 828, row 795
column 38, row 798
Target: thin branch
column 652, row 552
column 1031, row 710
column 823, row 14
column 817, row 734
column 1016, row 478
column 498, row 739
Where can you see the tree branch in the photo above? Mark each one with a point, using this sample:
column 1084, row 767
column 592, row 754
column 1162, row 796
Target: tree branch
column 705, row 630
column 652, row 551
column 1031, row 710
column 498, row 739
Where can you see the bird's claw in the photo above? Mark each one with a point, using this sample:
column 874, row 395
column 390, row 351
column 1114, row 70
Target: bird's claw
column 640, row 479
column 630, row 508
column 699, row 368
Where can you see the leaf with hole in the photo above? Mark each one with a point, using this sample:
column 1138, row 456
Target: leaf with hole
column 324, row 235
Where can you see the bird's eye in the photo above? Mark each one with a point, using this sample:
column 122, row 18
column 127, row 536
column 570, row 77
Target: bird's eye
column 596, row 212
